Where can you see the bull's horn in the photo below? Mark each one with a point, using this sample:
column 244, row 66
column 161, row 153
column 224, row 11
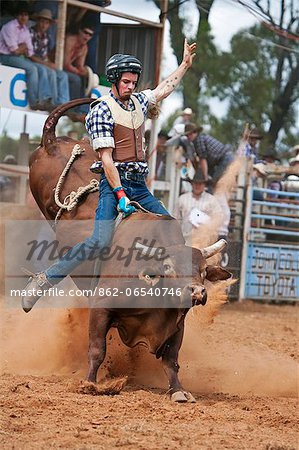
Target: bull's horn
column 207, row 252
column 49, row 135
column 145, row 250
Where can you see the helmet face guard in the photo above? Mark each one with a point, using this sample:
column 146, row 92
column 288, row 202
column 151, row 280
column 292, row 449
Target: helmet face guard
column 119, row 64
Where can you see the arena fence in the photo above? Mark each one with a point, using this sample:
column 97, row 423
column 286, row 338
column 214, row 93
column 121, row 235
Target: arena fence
column 270, row 254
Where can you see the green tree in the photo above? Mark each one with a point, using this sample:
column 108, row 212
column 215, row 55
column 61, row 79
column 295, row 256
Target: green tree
column 259, row 77
column 8, row 146
column 206, row 52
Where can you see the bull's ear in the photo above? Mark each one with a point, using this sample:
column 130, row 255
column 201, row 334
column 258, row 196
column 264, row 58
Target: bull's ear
column 216, row 273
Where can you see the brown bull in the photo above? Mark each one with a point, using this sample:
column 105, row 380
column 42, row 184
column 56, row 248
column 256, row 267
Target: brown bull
column 154, row 291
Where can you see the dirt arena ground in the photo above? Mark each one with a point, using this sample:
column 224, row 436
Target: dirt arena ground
column 242, row 369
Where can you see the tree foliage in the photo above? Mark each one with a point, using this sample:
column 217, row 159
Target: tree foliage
column 261, row 80
column 258, row 79
column 8, row 146
column 205, row 53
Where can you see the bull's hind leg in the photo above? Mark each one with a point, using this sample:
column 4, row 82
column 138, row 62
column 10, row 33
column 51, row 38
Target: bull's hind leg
column 99, row 324
column 171, row 368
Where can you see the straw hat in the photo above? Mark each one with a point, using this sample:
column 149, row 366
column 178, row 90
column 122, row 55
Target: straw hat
column 187, row 111
column 294, row 160
column 44, row 14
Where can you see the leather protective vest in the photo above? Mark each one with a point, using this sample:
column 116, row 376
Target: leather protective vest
column 128, row 131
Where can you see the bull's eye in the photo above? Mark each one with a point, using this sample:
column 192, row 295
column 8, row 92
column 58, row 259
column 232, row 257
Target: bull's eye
column 150, row 278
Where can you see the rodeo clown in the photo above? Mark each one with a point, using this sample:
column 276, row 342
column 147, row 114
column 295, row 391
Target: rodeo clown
column 116, row 125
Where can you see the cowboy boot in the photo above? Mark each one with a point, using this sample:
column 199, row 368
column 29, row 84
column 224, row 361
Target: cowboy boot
column 37, row 286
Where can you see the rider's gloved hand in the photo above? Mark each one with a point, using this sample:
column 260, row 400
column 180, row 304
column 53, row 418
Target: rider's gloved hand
column 123, row 201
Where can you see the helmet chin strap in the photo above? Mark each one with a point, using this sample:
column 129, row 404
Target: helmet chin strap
column 116, row 84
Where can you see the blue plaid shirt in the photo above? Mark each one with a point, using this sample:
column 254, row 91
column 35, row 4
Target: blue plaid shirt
column 100, row 124
column 211, row 149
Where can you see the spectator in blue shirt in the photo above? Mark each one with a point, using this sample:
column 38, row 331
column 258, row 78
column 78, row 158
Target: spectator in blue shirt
column 213, row 157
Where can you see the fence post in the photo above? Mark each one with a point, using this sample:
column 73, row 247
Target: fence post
column 247, row 223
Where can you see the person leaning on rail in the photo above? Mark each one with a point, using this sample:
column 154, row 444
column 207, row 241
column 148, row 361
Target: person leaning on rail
column 115, row 125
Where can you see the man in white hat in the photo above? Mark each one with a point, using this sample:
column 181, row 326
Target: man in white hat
column 57, row 79
column 184, row 118
column 198, row 207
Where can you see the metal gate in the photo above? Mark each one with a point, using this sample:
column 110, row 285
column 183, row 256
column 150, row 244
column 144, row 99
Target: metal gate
column 270, row 259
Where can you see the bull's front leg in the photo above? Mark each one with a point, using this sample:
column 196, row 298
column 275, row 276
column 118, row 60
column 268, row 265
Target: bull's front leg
column 171, row 368
column 99, row 324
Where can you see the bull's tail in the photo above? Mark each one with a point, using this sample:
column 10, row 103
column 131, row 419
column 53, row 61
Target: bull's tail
column 49, row 135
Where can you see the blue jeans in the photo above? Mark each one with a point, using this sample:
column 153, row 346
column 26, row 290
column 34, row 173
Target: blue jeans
column 218, row 170
column 59, row 85
column 36, row 78
column 43, row 83
column 77, row 91
column 106, row 213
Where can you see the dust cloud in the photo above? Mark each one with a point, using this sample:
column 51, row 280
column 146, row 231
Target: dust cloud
column 212, row 359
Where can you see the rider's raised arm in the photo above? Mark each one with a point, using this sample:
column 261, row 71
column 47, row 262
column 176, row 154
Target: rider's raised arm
column 167, row 86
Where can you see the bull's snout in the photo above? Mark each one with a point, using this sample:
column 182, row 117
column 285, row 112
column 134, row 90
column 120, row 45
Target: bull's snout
column 197, row 294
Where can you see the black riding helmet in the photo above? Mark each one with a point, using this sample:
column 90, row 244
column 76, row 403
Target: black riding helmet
column 119, row 63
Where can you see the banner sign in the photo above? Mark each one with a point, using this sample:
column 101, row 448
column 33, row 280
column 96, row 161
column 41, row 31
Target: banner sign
column 272, row 272
column 13, row 89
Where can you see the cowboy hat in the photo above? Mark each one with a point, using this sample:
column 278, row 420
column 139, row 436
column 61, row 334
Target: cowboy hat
column 295, row 160
column 192, row 128
column 256, row 134
column 270, row 152
column 92, row 80
column 198, row 177
column 295, row 149
column 187, row 111
column 44, row 14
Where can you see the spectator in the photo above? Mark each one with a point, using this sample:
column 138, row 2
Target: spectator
column 51, row 5
column 75, row 53
column 16, row 50
column 291, row 181
column 57, row 79
column 294, row 162
column 197, row 207
column 270, row 156
column 251, row 146
column 92, row 18
column 184, row 118
column 211, row 155
column 10, row 159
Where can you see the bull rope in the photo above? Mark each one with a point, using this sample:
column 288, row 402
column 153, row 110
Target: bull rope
column 72, row 199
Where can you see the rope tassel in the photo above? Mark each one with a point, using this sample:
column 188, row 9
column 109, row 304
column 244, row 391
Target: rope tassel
column 72, row 199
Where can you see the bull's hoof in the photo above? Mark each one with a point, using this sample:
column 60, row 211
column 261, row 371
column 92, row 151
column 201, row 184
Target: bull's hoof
column 190, row 398
column 179, row 397
column 182, row 397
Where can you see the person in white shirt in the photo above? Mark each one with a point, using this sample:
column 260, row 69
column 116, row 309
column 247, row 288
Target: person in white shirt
column 180, row 122
column 197, row 207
